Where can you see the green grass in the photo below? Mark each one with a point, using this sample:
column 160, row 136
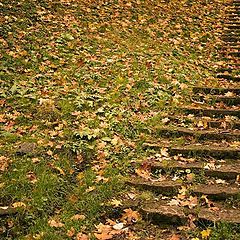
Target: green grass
column 84, row 80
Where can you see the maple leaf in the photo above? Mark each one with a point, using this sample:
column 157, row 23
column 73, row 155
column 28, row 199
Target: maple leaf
column 206, row 233
column 104, row 232
column 19, row 204
column 55, row 223
column 142, row 173
column 175, row 237
column 81, row 236
column 78, row 217
column 116, row 203
column 71, row 232
column 130, row 216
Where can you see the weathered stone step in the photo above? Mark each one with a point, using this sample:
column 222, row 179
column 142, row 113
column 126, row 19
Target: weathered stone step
column 234, row 47
column 221, row 215
column 231, row 44
column 209, row 122
column 161, row 212
column 231, row 39
column 229, row 77
column 225, row 171
column 211, row 112
column 228, row 69
column 219, row 192
column 226, row 124
column 172, row 187
column 229, row 27
column 231, row 13
column 163, row 187
column 234, row 100
column 216, row 134
column 233, row 53
column 208, row 149
column 232, row 17
column 211, row 90
column 232, row 26
column 227, row 23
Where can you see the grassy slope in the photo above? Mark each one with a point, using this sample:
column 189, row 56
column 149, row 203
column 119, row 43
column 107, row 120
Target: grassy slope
column 83, row 80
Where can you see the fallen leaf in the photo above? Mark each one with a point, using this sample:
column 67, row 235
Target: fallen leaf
column 118, row 226
column 104, row 232
column 142, row 173
column 206, row 233
column 116, row 203
column 55, row 223
column 78, row 217
column 174, row 202
column 71, row 232
column 81, row 236
column 130, row 216
column 174, row 237
column 19, row 204
column 4, row 162
column 220, row 181
column 164, row 152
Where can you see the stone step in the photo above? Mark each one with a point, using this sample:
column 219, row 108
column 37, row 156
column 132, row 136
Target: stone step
column 211, row 112
column 163, row 187
column 215, row 134
column 210, row 122
column 223, row 171
column 231, row 44
column 219, row 192
column 212, row 90
column 229, row 77
column 169, row 188
column 232, row 17
column 227, row 124
column 235, row 23
column 161, row 212
column 232, row 26
column 208, row 149
column 228, row 69
column 235, row 54
column 234, row 100
column 230, row 39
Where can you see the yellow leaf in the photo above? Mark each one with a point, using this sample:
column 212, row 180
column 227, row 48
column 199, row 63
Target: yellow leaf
column 19, row 204
column 206, row 233
column 116, row 203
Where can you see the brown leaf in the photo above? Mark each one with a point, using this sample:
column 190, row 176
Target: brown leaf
column 78, row 217
column 55, row 223
column 174, row 237
column 130, row 216
column 103, row 232
column 71, row 232
column 81, row 236
column 4, row 162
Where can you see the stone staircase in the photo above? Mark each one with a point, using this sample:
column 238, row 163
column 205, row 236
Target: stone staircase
column 208, row 155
